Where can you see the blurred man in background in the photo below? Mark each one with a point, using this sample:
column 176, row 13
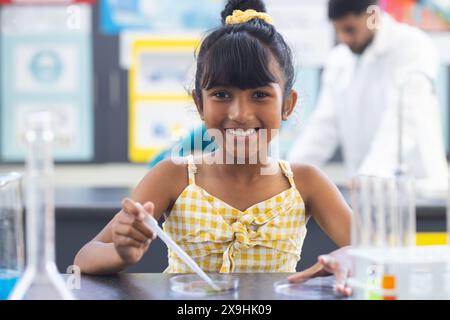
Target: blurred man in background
column 378, row 65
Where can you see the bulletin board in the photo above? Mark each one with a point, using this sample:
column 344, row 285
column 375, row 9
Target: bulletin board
column 64, row 2
column 158, row 16
column 429, row 15
column 46, row 64
column 161, row 110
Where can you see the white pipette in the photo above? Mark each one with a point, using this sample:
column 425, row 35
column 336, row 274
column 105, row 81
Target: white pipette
column 153, row 224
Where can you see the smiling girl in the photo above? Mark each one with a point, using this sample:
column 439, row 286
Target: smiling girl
column 244, row 215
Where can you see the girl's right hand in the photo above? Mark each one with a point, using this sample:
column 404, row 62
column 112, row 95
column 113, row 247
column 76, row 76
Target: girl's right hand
column 131, row 236
column 337, row 262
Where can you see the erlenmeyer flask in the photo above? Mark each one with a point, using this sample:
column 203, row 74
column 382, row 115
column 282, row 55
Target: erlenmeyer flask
column 41, row 280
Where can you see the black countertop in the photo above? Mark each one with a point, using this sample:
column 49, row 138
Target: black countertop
column 101, row 201
column 92, row 200
column 156, row 286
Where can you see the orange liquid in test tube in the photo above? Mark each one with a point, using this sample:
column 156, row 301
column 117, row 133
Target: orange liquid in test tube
column 388, row 283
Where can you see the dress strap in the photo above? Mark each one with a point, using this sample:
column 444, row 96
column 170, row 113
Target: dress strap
column 192, row 169
column 286, row 167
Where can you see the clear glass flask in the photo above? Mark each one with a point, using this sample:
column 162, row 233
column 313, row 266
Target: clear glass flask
column 41, row 280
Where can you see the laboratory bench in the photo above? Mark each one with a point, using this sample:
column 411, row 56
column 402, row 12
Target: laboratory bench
column 82, row 212
column 156, row 286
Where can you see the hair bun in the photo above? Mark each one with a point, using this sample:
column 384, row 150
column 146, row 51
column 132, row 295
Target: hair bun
column 243, row 5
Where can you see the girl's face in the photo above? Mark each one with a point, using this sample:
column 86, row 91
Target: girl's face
column 247, row 119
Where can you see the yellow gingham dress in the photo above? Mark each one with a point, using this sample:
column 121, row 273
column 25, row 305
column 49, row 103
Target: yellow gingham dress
column 266, row 237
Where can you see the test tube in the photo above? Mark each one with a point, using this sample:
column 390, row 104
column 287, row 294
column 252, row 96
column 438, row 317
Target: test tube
column 383, row 211
column 368, row 224
column 407, row 210
column 357, row 192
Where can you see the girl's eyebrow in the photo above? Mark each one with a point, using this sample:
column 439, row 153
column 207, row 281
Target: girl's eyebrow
column 218, row 87
column 268, row 86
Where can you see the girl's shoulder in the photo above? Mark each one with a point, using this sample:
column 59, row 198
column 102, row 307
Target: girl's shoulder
column 305, row 172
column 173, row 166
column 309, row 179
column 169, row 175
column 175, row 169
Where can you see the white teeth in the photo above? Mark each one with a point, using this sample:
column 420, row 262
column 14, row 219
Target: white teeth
column 241, row 132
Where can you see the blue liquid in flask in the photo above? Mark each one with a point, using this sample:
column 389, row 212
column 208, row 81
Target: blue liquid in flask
column 8, row 279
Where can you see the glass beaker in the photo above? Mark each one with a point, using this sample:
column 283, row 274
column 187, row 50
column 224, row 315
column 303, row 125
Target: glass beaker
column 41, row 280
column 11, row 232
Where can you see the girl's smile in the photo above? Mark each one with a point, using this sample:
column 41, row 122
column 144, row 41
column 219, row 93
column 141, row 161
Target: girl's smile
column 246, row 118
column 242, row 133
column 246, row 140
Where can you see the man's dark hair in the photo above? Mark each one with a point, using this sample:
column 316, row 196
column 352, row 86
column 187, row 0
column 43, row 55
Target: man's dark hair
column 340, row 8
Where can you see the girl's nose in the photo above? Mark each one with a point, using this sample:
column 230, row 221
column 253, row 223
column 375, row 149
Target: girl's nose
column 240, row 112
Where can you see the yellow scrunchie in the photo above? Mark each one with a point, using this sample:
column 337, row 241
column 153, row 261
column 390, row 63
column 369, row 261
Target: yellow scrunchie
column 240, row 16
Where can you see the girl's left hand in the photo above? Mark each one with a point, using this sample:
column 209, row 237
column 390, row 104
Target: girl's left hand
column 337, row 262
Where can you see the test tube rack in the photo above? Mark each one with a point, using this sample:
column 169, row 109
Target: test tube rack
column 401, row 273
column 387, row 263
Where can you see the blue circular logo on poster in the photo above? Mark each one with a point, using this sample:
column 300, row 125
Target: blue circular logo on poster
column 46, row 66
column 159, row 130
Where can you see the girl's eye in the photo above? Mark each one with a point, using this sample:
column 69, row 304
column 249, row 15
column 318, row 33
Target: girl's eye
column 221, row 95
column 260, row 95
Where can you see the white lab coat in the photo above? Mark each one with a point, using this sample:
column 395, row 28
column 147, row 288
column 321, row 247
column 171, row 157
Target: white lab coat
column 358, row 108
